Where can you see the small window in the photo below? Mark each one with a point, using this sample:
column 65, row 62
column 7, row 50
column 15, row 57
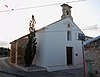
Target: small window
column 67, row 12
column 69, row 36
column 68, row 25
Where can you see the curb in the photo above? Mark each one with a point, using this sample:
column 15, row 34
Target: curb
column 11, row 74
column 33, row 69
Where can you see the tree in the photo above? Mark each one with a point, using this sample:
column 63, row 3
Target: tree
column 4, row 51
column 30, row 50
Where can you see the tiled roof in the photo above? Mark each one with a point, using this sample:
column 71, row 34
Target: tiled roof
column 91, row 40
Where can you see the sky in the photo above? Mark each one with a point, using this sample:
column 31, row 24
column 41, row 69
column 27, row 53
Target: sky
column 15, row 23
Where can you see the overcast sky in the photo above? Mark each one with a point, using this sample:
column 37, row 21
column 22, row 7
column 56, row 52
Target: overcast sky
column 15, row 23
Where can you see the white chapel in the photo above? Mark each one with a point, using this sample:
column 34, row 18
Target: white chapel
column 58, row 46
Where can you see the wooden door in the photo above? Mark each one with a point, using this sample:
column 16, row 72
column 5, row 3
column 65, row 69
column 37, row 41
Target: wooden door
column 69, row 55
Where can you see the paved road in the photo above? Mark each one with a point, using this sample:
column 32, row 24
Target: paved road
column 4, row 67
column 6, row 75
column 7, row 70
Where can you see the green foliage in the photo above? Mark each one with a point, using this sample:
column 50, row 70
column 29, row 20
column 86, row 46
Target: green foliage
column 30, row 50
column 4, row 51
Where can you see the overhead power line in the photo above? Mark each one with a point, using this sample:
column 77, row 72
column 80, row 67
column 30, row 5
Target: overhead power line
column 40, row 6
column 55, row 31
column 10, row 10
column 30, row 7
column 75, row 1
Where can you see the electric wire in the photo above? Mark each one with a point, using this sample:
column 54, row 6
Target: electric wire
column 38, row 6
column 70, row 30
column 8, row 13
column 44, row 6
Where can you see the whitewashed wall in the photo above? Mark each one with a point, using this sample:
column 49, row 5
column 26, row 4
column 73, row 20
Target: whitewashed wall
column 51, row 47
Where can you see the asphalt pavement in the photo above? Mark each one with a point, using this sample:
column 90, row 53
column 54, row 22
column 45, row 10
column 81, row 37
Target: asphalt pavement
column 8, row 70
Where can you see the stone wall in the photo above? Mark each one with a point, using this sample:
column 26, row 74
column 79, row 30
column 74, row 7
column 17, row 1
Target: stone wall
column 18, row 50
column 12, row 52
column 92, row 53
column 21, row 50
